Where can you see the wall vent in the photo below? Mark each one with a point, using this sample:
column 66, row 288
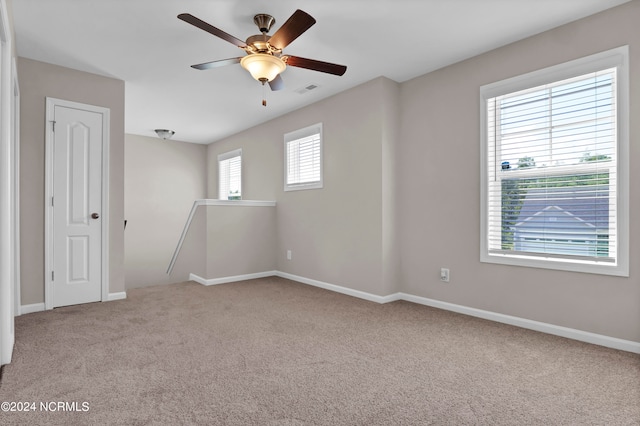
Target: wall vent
column 307, row 88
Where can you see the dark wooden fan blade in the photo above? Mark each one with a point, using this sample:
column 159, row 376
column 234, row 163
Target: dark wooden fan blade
column 277, row 83
column 297, row 24
column 312, row 64
column 188, row 18
column 216, row 64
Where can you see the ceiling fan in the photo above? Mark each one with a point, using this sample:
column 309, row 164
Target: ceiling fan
column 264, row 58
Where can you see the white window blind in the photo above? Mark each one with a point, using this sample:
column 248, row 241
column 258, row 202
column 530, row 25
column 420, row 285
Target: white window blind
column 230, row 175
column 552, row 183
column 303, row 158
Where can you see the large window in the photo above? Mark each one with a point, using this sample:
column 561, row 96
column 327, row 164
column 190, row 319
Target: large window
column 303, row 158
column 230, row 175
column 555, row 177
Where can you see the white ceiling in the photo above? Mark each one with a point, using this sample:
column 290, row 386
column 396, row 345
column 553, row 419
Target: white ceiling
column 143, row 43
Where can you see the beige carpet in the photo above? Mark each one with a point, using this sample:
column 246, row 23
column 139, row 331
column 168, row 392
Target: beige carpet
column 276, row 352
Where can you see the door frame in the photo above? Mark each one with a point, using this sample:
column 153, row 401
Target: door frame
column 51, row 103
column 7, row 182
column 15, row 196
column 15, row 199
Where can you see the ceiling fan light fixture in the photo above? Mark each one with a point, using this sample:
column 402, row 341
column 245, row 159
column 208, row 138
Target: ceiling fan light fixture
column 262, row 66
column 164, row 133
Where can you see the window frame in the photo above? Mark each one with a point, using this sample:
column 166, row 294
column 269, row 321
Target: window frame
column 227, row 156
column 297, row 135
column 615, row 58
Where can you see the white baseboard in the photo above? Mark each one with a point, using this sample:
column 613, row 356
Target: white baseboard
column 29, row 309
column 556, row 330
column 117, row 296
column 39, row 307
column 231, row 279
column 570, row 333
column 339, row 289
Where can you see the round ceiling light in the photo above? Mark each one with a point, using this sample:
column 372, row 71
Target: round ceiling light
column 164, row 133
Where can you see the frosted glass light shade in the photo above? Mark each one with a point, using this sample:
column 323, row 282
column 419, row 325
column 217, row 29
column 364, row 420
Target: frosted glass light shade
column 164, row 133
column 263, row 67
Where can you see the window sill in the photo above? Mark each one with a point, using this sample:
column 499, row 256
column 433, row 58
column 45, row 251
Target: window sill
column 584, row 266
column 246, row 203
column 302, row 187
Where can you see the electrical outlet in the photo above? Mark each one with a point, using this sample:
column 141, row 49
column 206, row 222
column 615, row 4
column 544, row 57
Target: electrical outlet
column 444, row 275
column 288, row 254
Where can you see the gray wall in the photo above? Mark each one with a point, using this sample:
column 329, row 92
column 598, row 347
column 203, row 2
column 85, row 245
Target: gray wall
column 39, row 80
column 162, row 180
column 402, row 195
column 440, row 193
column 240, row 240
column 337, row 234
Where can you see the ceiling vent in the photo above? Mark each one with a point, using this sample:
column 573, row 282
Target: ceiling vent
column 307, row 88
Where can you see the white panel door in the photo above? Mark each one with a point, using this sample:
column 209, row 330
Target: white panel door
column 77, row 206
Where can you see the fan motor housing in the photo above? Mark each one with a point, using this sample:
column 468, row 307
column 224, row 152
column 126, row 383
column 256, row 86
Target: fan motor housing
column 259, row 41
column 260, row 44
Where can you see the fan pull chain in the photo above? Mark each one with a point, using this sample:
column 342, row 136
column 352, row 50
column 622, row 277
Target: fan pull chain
column 264, row 95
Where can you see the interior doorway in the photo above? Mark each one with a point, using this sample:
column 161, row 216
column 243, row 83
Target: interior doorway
column 76, row 232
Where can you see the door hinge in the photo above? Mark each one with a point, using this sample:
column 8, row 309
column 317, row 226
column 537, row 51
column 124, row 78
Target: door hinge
column 51, row 201
column 52, row 276
column 53, row 125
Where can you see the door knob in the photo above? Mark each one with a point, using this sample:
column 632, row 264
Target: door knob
column 94, row 215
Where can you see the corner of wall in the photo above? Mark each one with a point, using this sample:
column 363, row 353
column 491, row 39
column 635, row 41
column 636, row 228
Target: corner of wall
column 390, row 134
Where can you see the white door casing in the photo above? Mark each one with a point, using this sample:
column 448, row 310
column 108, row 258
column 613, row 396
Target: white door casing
column 7, row 334
column 76, row 257
column 15, row 140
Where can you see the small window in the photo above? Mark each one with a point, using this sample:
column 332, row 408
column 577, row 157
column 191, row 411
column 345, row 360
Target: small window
column 554, row 175
column 303, row 158
column 230, row 175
